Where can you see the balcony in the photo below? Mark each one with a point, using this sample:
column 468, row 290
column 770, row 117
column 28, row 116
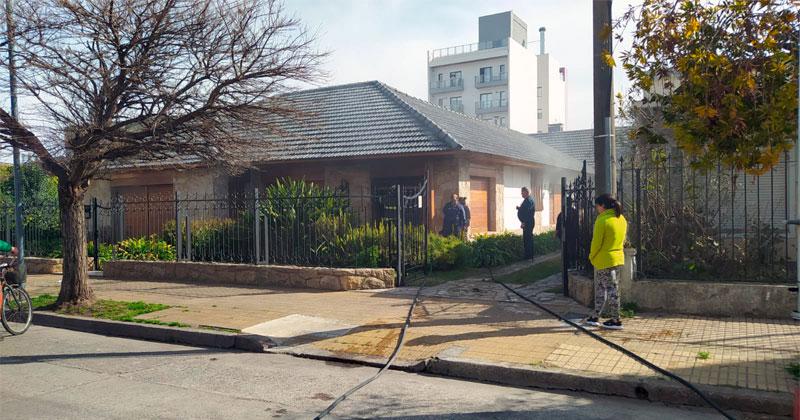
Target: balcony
column 444, row 86
column 466, row 49
column 491, row 80
column 487, row 107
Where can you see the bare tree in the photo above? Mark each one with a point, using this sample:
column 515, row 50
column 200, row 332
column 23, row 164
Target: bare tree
column 123, row 80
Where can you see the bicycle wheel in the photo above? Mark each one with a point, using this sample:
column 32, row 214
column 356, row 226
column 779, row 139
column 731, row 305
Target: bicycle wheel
column 17, row 311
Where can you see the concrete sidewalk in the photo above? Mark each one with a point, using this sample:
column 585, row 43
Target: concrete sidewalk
column 478, row 321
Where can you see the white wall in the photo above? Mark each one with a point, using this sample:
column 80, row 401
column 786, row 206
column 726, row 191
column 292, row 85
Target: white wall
column 514, row 178
column 522, row 89
column 553, row 101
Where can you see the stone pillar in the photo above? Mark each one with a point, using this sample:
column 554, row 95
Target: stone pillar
column 628, row 274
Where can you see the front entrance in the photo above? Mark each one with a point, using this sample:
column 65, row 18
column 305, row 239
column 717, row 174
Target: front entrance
column 479, row 204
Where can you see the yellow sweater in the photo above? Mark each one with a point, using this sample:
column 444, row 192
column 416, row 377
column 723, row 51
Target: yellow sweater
column 608, row 240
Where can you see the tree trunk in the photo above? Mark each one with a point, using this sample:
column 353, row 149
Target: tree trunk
column 75, row 288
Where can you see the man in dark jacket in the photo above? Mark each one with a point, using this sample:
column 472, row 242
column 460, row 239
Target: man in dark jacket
column 467, row 216
column 454, row 218
column 525, row 213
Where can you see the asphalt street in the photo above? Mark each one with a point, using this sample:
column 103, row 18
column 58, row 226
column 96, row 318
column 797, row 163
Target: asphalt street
column 52, row 373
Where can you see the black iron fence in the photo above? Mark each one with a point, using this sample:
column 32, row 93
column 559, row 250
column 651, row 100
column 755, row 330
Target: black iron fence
column 695, row 223
column 336, row 230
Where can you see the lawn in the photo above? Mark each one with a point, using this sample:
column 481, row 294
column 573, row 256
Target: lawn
column 109, row 309
column 533, row 273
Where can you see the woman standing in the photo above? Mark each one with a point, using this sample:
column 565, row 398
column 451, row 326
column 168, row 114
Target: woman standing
column 607, row 257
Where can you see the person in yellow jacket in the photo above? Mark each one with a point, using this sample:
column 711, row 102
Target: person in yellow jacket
column 607, row 257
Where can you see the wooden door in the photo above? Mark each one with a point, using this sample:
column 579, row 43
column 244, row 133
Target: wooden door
column 146, row 209
column 479, row 204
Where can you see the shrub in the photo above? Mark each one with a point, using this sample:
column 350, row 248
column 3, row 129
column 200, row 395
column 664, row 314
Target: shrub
column 496, row 250
column 105, row 253
column 145, row 249
column 222, row 239
column 448, row 252
column 545, row 243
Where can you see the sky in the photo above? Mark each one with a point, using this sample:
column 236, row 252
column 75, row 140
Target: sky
column 388, row 40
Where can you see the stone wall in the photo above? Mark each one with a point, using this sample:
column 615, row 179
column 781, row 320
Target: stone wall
column 252, row 275
column 696, row 298
column 36, row 265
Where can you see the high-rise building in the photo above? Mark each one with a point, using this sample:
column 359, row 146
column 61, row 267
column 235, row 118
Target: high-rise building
column 500, row 79
column 493, row 79
column 551, row 91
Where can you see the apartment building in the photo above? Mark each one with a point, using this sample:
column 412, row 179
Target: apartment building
column 493, row 80
column 500, row 79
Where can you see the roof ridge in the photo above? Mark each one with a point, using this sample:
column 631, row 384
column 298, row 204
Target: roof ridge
column 440, row 132
column 329, row 87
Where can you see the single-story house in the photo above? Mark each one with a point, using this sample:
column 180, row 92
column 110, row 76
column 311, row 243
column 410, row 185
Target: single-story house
column 369, row 136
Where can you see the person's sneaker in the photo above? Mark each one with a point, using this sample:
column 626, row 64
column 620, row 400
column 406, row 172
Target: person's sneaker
column 612, row 324
column 593, row 321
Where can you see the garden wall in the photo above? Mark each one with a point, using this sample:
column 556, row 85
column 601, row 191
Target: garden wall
column 36, row 265
column 253, row 275
column 697, row 298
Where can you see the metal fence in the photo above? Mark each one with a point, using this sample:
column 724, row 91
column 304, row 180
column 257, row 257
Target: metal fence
column 694, row 223
column 336, row 230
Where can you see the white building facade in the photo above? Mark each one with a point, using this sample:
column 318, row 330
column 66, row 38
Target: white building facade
column 493, row 80
column 551, row 91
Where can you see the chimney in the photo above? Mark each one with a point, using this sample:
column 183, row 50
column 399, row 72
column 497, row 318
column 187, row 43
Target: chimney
column 541, row 40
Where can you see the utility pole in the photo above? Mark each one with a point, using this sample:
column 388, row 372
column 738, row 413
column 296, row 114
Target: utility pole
column 796, row 312
column 19, row 229
column 604, row 143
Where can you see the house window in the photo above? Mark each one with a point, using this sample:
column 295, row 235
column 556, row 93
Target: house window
column 455, row 78
column 502, row 71
column 485, row 74
column 501, row 98
column 539, row 113
column 486, row 100
column 539, row 92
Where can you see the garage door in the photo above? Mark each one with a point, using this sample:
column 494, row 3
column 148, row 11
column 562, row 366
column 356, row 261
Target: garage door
column 479, row 204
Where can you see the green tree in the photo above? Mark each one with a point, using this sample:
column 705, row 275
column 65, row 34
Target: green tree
column 722, row 74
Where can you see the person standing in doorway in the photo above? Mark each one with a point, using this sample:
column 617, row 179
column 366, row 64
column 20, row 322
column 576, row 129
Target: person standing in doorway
column 454, row 218
column 607, row 257
column 526, row 213
column 467, row 217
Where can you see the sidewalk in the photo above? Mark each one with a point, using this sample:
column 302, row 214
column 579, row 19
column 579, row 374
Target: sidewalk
column 478, row 321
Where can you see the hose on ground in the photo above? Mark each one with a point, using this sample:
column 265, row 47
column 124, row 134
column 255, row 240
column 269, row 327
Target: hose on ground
column 619, row 348
column 400, row 341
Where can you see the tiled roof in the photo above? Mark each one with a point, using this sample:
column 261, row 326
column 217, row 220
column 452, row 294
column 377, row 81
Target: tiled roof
column 371, row 119
column 579, row 143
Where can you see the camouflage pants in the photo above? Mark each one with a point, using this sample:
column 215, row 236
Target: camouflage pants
column 606, row 292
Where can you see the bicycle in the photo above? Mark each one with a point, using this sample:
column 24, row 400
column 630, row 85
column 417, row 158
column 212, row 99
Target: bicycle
column 17, row 308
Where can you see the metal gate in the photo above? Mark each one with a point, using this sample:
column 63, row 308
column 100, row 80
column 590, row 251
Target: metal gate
column 578, row 214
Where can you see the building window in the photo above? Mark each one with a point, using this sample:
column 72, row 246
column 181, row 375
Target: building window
column 441, row 77
column 455, row 78
column 502, row 71
column 501, row 98
column 539, row 92
column 485, row 74
column 486, row 100
column 539, row 113
column 441, row 102
column 502, row 121
column 456, row 104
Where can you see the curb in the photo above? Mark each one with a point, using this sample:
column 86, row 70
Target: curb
column 654, row 390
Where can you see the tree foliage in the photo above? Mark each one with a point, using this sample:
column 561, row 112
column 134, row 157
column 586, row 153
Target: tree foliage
column 170, row 81
column 722, row 75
